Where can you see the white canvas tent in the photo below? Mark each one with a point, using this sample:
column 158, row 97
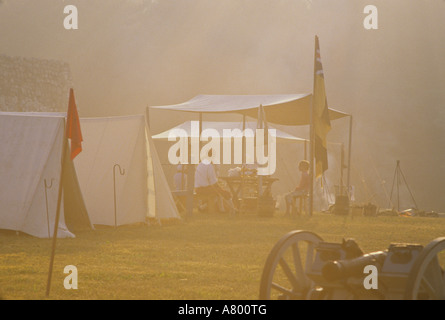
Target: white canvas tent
column 30, row 173
column 120, row 174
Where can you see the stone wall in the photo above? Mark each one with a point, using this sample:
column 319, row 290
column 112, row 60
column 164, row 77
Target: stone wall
column 29, row 84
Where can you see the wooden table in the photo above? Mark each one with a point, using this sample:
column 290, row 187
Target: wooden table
column 248, row 187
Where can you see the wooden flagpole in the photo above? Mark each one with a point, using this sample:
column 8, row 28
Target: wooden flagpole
column 312, row 141
column 59, row 204
column 311, row 159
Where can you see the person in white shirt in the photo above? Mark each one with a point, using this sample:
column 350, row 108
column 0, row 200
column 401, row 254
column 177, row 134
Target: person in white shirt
column 206, row 183
column 205, row 175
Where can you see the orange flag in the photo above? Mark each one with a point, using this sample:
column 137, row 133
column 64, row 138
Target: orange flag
column 73, row 131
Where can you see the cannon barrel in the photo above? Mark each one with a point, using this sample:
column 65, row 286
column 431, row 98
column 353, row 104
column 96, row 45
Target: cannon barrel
column 341, row 269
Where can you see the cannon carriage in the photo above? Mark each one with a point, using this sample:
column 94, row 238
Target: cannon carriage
column 301, row 266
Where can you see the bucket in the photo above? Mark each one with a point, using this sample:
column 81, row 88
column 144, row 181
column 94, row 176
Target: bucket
column 370, row 210
column 341, row 207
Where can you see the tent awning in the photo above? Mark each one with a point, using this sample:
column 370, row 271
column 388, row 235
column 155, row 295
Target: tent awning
column 220, row 126
column 284, row 109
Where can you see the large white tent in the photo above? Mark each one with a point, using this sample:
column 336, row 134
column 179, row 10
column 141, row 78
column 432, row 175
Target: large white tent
column 120, row 174
column 30, row 175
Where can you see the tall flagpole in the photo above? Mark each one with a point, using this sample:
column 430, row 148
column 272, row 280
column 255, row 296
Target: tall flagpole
column 75, row 134
column 312, row 141
column 59, row 204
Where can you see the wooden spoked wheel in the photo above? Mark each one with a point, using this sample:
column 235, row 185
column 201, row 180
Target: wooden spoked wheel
column 427, row 277
column 284, row 274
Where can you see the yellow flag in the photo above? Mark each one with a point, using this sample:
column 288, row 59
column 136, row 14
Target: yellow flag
column 322, row 123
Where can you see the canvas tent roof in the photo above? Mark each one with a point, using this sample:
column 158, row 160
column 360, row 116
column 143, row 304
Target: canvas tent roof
column 220, row 126
column 284, row 109
column 118, row 177
column 30, row 171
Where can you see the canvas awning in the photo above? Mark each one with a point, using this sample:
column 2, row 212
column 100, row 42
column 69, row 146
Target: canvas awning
column 220, row 126
column 284, row 109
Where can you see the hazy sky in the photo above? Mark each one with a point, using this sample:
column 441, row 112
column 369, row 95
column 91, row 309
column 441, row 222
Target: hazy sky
column 130, row 54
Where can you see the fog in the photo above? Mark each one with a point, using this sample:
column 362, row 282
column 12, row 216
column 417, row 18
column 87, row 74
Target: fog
column 127, row 55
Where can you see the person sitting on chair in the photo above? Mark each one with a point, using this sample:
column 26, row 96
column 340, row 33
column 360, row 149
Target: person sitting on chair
column 302, row 189
column 206, row 184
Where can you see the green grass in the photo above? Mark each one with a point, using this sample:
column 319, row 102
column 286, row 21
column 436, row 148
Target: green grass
column 210, row 257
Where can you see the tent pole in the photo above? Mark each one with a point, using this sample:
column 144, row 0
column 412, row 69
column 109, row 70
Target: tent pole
column 191, row 173
column 263, row 125
column 342, row 161
column 190, row 181
column 311, row 158
column 348, row 181
column 190, row 188
column 59, row 203
column 200, row 132
column 243, row 170
column 148, row 115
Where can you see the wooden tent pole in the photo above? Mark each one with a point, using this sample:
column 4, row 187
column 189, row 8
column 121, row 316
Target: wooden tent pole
column 190, row 188
column 311, row 158
column 148, row 116
column 348, row 181
column 312, row 141
column 262, row 123
column 342, row 161
column 200, row 131
column 244, row 156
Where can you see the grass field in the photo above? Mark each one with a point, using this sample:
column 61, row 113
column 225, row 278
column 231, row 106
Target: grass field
column 210, row 257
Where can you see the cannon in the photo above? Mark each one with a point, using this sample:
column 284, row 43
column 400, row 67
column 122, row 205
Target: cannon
column 301, row 266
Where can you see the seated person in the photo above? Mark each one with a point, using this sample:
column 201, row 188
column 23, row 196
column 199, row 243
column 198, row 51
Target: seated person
column 206, row 183
column 302, row 189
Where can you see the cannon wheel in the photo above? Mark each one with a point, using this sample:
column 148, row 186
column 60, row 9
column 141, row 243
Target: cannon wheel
column 284, row 275
column 427, row 277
